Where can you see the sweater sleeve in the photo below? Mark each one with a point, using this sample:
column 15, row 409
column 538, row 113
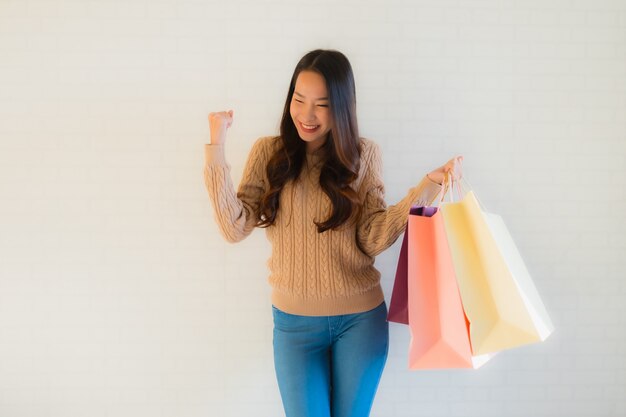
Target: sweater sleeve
column 379, row 226
column 235, row 213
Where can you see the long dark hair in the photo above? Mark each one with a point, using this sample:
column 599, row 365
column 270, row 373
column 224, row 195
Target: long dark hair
column 341, row 151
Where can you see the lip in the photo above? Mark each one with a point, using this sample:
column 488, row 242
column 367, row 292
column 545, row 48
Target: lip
column 308, row 130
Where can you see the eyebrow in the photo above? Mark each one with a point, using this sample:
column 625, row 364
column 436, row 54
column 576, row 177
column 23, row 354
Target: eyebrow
column 321, row 98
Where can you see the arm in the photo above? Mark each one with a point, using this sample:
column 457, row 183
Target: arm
column 235, row 213
column 379, row 226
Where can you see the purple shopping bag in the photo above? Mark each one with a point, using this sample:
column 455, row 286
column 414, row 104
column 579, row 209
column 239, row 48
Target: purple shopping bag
column 398, row 307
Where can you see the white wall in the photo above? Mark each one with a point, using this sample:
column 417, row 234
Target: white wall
column 119, row 298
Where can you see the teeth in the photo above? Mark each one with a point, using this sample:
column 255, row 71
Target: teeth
column 310, row 127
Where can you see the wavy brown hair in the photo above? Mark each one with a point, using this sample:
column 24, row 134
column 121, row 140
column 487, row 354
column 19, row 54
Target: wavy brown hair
column 341, row 151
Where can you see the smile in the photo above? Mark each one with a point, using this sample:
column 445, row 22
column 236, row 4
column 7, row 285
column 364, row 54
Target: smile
column 309, row 128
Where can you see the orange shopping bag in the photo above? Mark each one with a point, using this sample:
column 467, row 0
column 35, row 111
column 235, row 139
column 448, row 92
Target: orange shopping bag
column 438, row 325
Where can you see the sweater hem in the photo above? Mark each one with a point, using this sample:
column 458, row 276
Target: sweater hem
column 356, row 303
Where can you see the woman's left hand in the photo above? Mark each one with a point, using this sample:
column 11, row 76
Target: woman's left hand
column 452, row 167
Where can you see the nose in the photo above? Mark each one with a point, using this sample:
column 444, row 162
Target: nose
column 310, row 113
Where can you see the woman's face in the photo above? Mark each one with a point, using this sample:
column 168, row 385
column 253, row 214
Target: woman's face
column 310, row 110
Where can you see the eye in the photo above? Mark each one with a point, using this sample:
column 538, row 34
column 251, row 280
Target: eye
column 297, row 100
column 323, row 105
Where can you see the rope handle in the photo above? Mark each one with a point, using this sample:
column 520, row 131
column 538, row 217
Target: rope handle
column 461, row 187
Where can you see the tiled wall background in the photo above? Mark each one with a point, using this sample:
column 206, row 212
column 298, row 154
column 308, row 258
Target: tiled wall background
column 119, row 298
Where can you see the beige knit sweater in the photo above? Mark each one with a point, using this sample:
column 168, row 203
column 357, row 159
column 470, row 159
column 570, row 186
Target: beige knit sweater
column 311, row 273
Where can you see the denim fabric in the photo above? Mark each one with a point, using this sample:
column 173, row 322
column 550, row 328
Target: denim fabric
column 330, row 365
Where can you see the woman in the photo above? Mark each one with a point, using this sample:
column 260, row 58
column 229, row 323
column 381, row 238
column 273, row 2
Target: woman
column 317, row 190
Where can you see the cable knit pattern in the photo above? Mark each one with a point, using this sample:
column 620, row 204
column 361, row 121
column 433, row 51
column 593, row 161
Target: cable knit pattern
column 311, row 273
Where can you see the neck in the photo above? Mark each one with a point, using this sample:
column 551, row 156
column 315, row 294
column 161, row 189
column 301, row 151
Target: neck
column 314, row 146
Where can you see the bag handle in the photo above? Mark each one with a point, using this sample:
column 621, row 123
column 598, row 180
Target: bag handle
column 461, row 187
column 449, row 187
column 468, row 188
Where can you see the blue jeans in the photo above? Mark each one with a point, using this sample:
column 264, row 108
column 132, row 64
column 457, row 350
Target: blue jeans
column 330, row 365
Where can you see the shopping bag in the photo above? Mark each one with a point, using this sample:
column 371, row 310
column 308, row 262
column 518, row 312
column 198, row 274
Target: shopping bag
column 398, row 311
column 499, row 298
column 437, row 322
column 398, row 306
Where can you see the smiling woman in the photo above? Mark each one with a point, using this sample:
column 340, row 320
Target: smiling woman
column 317, row 190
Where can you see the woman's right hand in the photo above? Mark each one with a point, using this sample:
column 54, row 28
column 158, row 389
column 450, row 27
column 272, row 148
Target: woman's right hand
column 219, row 122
